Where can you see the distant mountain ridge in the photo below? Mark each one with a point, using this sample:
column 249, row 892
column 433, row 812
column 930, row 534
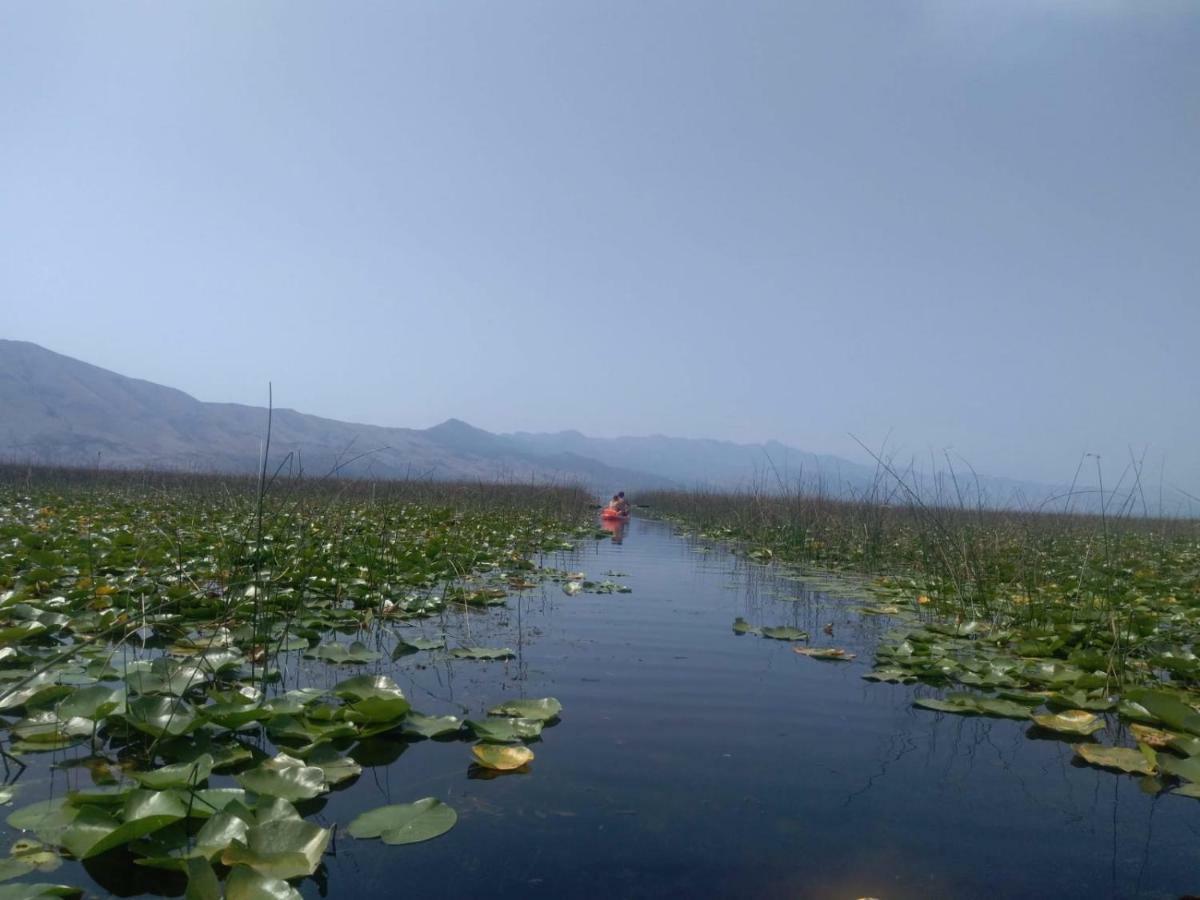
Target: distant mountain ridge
column 58, row 410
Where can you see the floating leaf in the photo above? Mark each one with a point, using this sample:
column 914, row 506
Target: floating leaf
column 431, row 726
column 285, row 777
column 1122, row 759
column 405, row 823
column 1071, row 721
column 202, row 881
column 502, row 757
column 336, row 768
column 505, row 731
column 245, row 883
column 93, row 702
column 1152, row 737
column 284, row 848
column 366, row 687
column 544, row 709
column 94, row 831
column 829, row 653
column 406, row 646
column 161, row 716
column 46, row 818
column 1187, row 769
column 482, row 653
column 356, row 653
column 177, row 774
column 784, row 633
column 1167, row 708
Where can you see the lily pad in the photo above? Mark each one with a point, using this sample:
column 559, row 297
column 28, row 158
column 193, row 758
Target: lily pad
column 336, row 768
column 827, row 653
column 1123, row 759
column 285, row 777
column 544, row 709
column 431, row 726
column 482, row 653
column 177, row 774
column 784, row 633
column 161, row 716
column 1071, row 721
column 94, row 831
column 505, row 731
column 502, row 757
column 356, row 654
column 284, row 848
column 245, row 883
column 405, row 823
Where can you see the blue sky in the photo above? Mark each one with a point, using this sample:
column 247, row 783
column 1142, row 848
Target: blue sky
column 966, row 225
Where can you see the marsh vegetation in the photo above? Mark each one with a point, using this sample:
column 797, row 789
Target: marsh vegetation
column 197, row 655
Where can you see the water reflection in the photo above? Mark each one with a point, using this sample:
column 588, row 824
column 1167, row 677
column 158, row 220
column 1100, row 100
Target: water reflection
column 616, row 528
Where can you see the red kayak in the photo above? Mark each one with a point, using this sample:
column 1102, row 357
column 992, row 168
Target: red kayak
column 611, row 515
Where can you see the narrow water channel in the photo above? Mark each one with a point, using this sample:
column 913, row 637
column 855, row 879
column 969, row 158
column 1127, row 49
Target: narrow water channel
column 691, row 761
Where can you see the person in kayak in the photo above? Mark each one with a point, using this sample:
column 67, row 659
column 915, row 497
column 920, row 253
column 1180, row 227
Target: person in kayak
column 622, row 503
column 614, row 504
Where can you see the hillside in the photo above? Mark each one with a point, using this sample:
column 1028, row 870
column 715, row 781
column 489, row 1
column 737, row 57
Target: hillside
column 62, row 411
column 59, row 410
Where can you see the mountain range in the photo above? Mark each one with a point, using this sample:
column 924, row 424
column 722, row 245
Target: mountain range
column 60, row 410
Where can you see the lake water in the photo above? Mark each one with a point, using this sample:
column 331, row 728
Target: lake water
column 693, row 762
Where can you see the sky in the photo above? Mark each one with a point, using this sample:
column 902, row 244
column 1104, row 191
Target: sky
column 938, row 225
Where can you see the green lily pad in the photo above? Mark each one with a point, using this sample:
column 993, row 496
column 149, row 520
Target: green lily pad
column 285, row 777
column 741, row 626
column 1167, row 708
column 367, row 687
column 336, row 768
column 202, row 881
column 784, row 633
column 93, row 702
column 431, row 726
column 405, row 823
column 177, row 774
column 284, row 848
column 506, row 730
column 356, row 654
column 245, row 883
column 46, row 818
column 405, row 646
column 161, row 716
column 482, row 653
column 94, row 831
column 974, row 705
column 544, row 709
column 1187, row 769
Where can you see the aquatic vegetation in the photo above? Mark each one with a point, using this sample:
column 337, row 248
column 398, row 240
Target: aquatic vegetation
column 405, row 823
column 146, row 630
column 833, row 654
column 502, row 757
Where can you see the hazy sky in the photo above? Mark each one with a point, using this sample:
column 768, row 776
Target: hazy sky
column 971, row 224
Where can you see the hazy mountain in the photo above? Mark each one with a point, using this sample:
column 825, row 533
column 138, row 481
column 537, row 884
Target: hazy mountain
column 55, row 409
column 59, row 410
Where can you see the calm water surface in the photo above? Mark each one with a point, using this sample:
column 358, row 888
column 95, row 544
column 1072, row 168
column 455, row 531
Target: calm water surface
column 692, row 762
